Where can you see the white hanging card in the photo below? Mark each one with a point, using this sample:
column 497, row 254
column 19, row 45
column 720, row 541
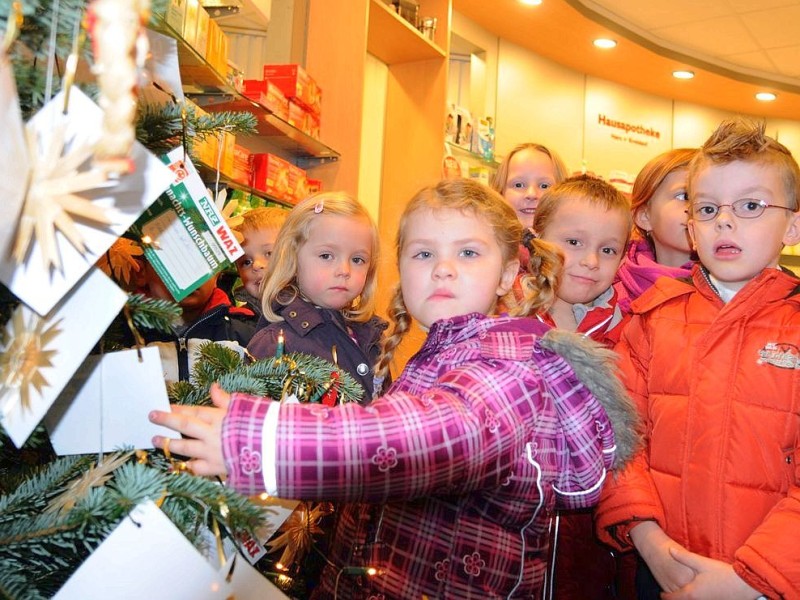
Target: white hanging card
column 105, row 405
column 14, row 161
column 40, row 355
column 162, row 65
column 247, row 583
column 146, row 556
column 36, row 282
column 192, row 239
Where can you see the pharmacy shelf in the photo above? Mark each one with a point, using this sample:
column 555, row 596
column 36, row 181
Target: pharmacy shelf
column 394, row 40
column 211, row 90
column 274, row 131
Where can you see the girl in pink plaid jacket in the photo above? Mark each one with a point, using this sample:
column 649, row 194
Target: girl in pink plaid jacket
column 450, row 477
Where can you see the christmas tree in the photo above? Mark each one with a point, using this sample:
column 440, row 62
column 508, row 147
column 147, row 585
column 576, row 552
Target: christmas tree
column 56, row 511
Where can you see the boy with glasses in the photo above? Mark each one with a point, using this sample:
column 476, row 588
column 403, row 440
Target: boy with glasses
column 712, row 503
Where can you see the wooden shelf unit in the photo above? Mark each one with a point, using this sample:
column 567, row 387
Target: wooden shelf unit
column 394, row 40
column 338, row 42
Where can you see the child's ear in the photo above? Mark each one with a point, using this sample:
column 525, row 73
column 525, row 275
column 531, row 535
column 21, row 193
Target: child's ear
column 642, row 218
column 690, row 229
column 792, row 235
column 507, row 277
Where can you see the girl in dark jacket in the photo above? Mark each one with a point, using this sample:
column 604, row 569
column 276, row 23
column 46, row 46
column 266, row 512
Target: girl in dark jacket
column 319, row 291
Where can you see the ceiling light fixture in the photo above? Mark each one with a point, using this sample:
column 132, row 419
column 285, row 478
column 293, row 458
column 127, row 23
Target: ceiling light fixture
column 605, row 43
column 766, row 96
column 531, row 2
column 682, row 74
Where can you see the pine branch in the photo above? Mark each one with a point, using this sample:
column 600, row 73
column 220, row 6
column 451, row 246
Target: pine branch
column 14, row 584
column 160, row 126
column 214, row 361
column 44, row 547
column 153, row 313
column 29, row 53
column 37, row 488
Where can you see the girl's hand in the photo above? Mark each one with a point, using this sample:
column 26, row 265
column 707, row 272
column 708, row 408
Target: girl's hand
column 714, row 579
column 654, row 547
column 202, row 428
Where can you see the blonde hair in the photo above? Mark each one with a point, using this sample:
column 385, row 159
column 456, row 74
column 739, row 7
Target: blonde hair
column 746, row 140
column 268, row 217
column 500, row 178
column 588, row 188
column 652, row 175
column 280, row 282
column 473, row 198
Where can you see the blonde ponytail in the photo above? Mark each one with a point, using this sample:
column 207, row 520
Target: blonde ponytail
column 401, row 323
column 540, row 283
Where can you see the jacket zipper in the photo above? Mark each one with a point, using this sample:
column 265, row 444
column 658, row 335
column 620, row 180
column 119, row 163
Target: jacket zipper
column 183, row 347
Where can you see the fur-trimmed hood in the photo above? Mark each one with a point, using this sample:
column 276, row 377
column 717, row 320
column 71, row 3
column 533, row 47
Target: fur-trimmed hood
column 596, row 368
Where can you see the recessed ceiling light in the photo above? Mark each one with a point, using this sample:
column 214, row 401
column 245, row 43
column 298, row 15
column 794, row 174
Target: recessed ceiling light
column 604, row 43
column 531, row 2
column 766, row 96
column 683, row 74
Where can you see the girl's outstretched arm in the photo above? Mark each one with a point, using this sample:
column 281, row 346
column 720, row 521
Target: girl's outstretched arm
column 202, row 428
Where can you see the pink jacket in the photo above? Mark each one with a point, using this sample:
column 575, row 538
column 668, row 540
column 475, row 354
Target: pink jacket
column 451, row 475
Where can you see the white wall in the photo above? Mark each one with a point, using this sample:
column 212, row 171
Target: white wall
column 538, row 101
column 376, row 75
column 541, row 101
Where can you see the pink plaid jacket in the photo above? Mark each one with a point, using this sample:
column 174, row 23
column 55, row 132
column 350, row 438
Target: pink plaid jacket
column 452, row 475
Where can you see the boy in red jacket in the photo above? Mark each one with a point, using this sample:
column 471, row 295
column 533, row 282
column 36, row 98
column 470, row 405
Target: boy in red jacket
column 712, row 503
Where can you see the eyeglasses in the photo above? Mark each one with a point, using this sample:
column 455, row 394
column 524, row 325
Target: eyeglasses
column 744, row 209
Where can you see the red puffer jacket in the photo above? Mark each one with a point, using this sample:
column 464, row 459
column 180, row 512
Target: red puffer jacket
column 718, row 387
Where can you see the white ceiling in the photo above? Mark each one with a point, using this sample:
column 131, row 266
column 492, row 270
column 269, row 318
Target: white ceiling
column 757, row 38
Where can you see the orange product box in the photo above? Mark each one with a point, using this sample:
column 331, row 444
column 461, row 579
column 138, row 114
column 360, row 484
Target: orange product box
column 314, row 185
column 227, row 143
column 296, row 84
column 312, row 125
column 271, row 175
column 189, row 33
column 254, row 87
column 212, row 45
column 176, row 11
column 268, row 95
column 297, row 116
column 241, row 165
column 298, row 188
column 222, row 52
column 201, row 37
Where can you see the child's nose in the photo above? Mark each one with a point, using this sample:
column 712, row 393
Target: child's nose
column 344, row 268
column 591, row 260
column 724, row 218
column 444, row 268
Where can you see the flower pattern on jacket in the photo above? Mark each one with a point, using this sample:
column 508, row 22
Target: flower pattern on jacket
column 473, row 563
column 385, row 458
column 250, row 460
column 442, row 566
column 492, row 424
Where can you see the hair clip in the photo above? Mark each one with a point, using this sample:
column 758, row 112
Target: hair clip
column 319, row 206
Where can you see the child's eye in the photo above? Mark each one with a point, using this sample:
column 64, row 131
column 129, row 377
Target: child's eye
column 545, row 185
column 610, row 251
column 326, row 255
column 467, row 252
column 518, row 185
column 245, row 262
column 422, row 254
column 359, row 260
column 682, row 195
column 572, row 242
